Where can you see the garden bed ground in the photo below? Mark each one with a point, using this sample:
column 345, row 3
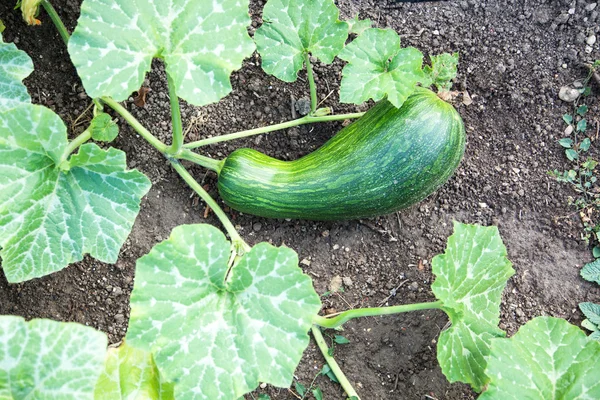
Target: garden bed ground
column 515, row 55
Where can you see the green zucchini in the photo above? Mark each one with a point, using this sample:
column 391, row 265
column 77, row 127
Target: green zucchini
column 387, row 160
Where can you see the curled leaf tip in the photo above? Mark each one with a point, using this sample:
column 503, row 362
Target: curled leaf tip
column 29, row 10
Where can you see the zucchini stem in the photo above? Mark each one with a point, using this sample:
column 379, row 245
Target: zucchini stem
column 311, row 83
column 239, row 246
column 373, row 312
column 60, row 27
column 135, row 124
column 177, row 142
column 335, row 368
column 308, row 119
column 75, row 143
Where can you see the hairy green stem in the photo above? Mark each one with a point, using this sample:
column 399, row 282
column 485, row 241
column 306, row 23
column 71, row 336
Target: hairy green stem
column 139, row 128
column 335, row 368
column 308, row 119
column 206, row 162
column 175, row 118
column 373, row 312
column 311, row 83
column 236, row 240
column 75, row 143
column 62, row 29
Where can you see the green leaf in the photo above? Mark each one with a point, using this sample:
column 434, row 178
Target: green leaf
column 300, row 388
column 339, row 339
column 44, row 359
column 590, row 164
column 358, row 26
column 566, row 142
column 586, row 91
column 587, row 324
column 582, row 125
column 201, row 43
column 548, row 358
column 591, row 272
column 470, row 278
column 378, row 67
column 54, row 212
column 317, row 393
column 442, row 71
column 591, row 311
column 217, row 332
column 326, row 371
column 15, row 65
column 585, row 144
column 131, row 373
column 293, row 28
column 2, row 26
column 103, row 128
column 596, row 251
column 568, row 119
column 262, row 396
column 571, row 154
column 582, row 110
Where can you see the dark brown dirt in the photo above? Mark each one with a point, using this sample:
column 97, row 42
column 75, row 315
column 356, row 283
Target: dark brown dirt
column 515, row 55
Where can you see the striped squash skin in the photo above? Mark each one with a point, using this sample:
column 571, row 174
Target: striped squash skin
column 387, row 160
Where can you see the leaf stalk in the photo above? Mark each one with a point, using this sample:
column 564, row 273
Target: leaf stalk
column 177, row 127
column 345, row 316
column 311, row 83
column 135, row 124
column 308, row 119
column 335, row 368
column 60, row 27
column 236, row 240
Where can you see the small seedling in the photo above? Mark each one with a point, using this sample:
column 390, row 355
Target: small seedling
column 582, row 176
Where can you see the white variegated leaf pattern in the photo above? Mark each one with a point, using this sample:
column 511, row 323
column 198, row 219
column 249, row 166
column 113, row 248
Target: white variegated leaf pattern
column 470, row 278
column 51, row 214
column 293, row 28
column 547, row 359
column 217, row 332
column 200, row 41
column 44, row 359
column 15, row 65
column 377, row 68
column 131, row 374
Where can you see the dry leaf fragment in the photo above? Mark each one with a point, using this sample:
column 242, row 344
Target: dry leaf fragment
column 140, row 99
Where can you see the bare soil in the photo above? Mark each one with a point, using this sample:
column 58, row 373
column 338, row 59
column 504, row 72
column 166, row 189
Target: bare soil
column 515, row 55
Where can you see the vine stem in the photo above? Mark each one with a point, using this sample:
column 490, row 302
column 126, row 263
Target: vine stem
column 240, row 246
column 135, row 124
column 311, row 83
column 75, row 143
column 177, row 142
column 62, row 29
column 373, row 312
column 308, row 119
column 335, row 368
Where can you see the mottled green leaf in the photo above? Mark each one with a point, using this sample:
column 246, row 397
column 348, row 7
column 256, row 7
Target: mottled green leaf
column 201, row 43
column 54, row 212
column 566, row 142
column 43, row 359
column 15, row 65
column 571, row 154
column 442, row 71
column 591, row 272
column 131, row 374
column 293, row 28
column 582, row 125
column 547, row 359
column 358, row 26
column 470, row 278
column 103, row 128
column 591, row 311
column 377, row 67
column 217, row 332
column 585, row 144
column 568, row 119
column 582, row 109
